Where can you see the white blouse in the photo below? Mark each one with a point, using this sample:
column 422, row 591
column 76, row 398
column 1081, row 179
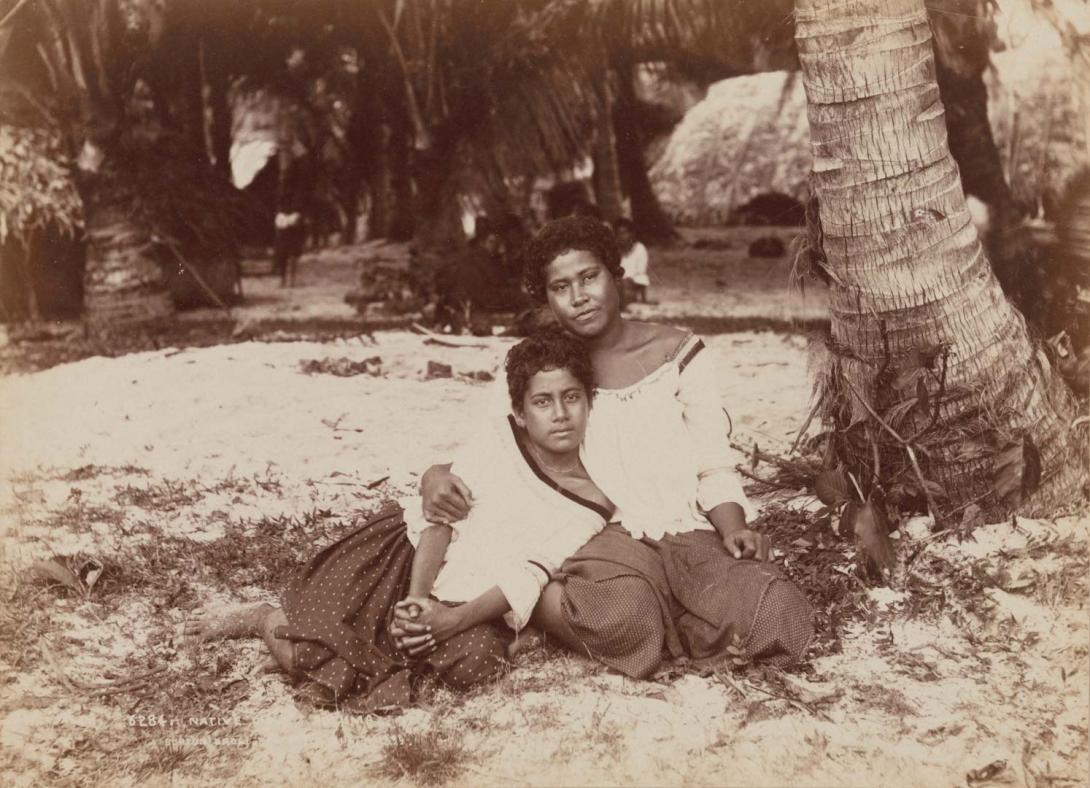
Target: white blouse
column 519, row 531
column 659, row 449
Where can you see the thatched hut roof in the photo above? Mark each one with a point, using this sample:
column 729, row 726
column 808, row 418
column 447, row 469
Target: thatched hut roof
column 748, row 136
column 36, row 186
column 1039, row 103
column 256, row 132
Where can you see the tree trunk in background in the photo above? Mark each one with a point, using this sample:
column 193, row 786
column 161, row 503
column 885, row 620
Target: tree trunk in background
column 18, row 291
column 403, row 215
column 438, row 213
column 31, row 290
column 606, row 176
column 367, row 139
column 962, row 47
column 652, row 223
column 351, row 185
column 973, row 148
column 899, row 239
column 379, row 189
column 970, row 137
column 191, row 93
column 123, row 286
column 215, row 72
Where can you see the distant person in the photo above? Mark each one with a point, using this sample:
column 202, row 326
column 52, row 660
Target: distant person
column 485, row 279
column 634, row 260
column 291, row 236
column 293, row 206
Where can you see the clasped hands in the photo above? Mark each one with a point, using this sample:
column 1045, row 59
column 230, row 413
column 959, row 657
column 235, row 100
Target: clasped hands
column 419, row 625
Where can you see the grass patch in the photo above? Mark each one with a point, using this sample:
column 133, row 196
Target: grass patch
column 607, row 736
column 889, row 699
column 77, row 513
column 167, row 495
column 432, row 756
column 263, row 553
column 166, row 758
column 25, row 619
column 85, row 472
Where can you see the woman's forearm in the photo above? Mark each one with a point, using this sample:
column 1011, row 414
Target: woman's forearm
column 430, row 552
column 489, row 605
column 727, row 518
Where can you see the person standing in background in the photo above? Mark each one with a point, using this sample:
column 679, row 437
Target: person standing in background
column 634, row 260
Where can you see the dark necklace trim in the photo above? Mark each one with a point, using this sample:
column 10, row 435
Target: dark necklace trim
column 598, row 509
column 696, row 348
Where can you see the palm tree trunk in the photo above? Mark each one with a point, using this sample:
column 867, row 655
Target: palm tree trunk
column 191, row 91
column 367, row 138
column 607, row 176
column 961, row 59
column 379, row 196
column 123, row 286
column 403, row 213
column 908, row 266
column 216, row 74
column 438, row 213
column 27, row 261
column 652, row 223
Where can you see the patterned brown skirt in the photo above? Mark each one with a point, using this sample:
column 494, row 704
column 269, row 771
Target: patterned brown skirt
column 338, row 608
column 635, row 602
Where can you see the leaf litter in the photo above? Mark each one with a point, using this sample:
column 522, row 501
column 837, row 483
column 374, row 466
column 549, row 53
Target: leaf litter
column 976, row 653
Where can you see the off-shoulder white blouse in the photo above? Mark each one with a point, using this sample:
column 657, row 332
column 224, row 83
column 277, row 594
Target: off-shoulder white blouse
column 659, row 449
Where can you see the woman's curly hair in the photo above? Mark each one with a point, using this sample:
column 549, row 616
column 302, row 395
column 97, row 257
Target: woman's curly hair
column 549, row 348
column 566, row 235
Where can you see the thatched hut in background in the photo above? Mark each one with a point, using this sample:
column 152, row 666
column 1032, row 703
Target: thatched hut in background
column 749, row 136
column 256, row 132
column 41, row 224
column 1039, row 104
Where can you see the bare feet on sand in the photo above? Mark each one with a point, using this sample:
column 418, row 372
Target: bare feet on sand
column 527, row 639
column 239, row 621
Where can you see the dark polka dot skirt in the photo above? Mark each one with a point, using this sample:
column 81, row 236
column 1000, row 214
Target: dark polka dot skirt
column 338, row 608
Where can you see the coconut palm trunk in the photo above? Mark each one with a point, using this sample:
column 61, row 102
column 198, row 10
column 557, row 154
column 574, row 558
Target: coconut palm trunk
column 122, row 285
column 909, row 272
column 607, row 176
column 652, row 223
column 86, row 53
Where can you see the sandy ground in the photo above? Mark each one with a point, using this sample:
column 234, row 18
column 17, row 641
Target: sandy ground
column 708, row 275
column 198, row 476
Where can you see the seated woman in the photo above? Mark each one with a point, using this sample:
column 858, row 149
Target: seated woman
column 658, row 447
column 534, row 506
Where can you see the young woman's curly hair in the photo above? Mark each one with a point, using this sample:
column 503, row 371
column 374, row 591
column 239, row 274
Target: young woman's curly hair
column 566, row 235
column 549, row 348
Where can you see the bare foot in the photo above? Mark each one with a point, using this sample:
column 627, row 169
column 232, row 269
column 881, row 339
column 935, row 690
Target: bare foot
column 527, row 639
column 240, row 621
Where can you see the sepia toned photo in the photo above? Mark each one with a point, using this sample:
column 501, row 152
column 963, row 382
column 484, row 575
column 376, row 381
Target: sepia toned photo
column 545, row 392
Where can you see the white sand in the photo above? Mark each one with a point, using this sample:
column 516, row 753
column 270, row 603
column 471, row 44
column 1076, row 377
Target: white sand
column 908, row 702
